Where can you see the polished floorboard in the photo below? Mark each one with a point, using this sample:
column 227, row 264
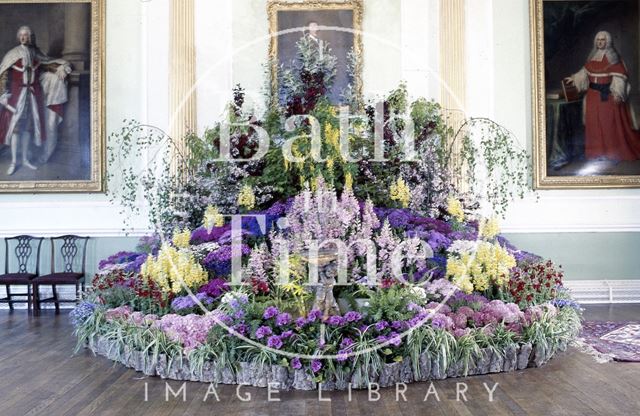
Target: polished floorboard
column 39, row 375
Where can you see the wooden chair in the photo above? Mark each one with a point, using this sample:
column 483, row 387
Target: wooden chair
column 70, row 248
column 24, row 253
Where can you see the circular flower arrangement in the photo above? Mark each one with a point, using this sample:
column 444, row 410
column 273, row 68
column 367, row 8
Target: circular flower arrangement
column 330, row 272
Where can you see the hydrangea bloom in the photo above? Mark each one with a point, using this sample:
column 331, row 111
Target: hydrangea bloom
column 81, row 313
column 190, row 330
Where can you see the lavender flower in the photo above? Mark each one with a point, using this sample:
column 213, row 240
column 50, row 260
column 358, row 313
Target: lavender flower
column 263, row 331
column 296, row 364
column 353, row 316
column 215, row 288
column 380, row 326
column 314, row 316
column 270, row 312
column 335, row 320
column 283, row 319
column 395, row 339
column 316, row 365
column 274, row 342
column 346, row 343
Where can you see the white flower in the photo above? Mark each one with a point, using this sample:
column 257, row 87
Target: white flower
column 228, row 297
column 418, row 292
column 462, row 247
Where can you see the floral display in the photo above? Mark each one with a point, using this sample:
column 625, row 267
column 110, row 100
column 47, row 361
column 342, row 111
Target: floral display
column 332, row 267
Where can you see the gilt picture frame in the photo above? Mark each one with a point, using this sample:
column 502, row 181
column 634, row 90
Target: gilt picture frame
column 52, row 133
column 586, row 97
column 339, row 23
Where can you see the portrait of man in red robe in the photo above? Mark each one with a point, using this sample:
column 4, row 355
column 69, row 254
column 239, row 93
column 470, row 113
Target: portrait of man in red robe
column 32, row 94
column 609, row 130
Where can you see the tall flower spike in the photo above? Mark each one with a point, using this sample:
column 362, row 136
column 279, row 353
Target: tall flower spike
column 212, row 218
column 246, row 198
column 399, row 191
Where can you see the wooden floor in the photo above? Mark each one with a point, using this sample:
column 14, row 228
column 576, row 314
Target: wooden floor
column 39, row 375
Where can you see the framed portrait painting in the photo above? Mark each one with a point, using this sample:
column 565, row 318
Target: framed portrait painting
column 586, row 93
column 51, row 96
column 333, row 26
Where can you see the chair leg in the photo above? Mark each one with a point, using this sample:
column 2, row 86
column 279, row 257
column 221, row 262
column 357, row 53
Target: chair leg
column 8, row 287
column 55, row 298
column 36, row 300
column 29, row 298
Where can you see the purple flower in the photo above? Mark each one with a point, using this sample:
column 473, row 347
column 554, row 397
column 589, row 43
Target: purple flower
column 395, row 339
column 296, row 364
column 301, row 322
column 283, row 319
column 335, row 320
column 287, row 334
column 182, row 302
column 398, row 325
column 314, row 315
column 270, row 312
column 381, row 339
column 241, row 329
column 346, row 343
column 380, row 326
column 342, row 356
column 215, row 288
column 438, row 241
column 316, row 365
column 353, row 316
column 202, row 235
column 274, row 342
column 459, row 332
column 263, row 331
column 441, row 321
column 459, row 320
column 219, row 261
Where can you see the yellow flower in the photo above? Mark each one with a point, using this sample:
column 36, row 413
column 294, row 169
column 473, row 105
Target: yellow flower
column 400, row 192
column 212, row 218
column 173, row 269
column 332, row 136
column 182, row 238
column 348, row 181
column 246, row 198
column 330, row 167
column 489, row 228
column 489, row 266
column 454, row 207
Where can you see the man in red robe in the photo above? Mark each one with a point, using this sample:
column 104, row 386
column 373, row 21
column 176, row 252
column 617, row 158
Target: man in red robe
column 22, row 99
column 609, row 130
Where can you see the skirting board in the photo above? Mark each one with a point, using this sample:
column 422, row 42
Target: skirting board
column 584, row 291
column 605, row 291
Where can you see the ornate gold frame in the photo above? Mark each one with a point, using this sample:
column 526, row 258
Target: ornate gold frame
column 97, row 51
column 275, row 6
column 540, row 178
